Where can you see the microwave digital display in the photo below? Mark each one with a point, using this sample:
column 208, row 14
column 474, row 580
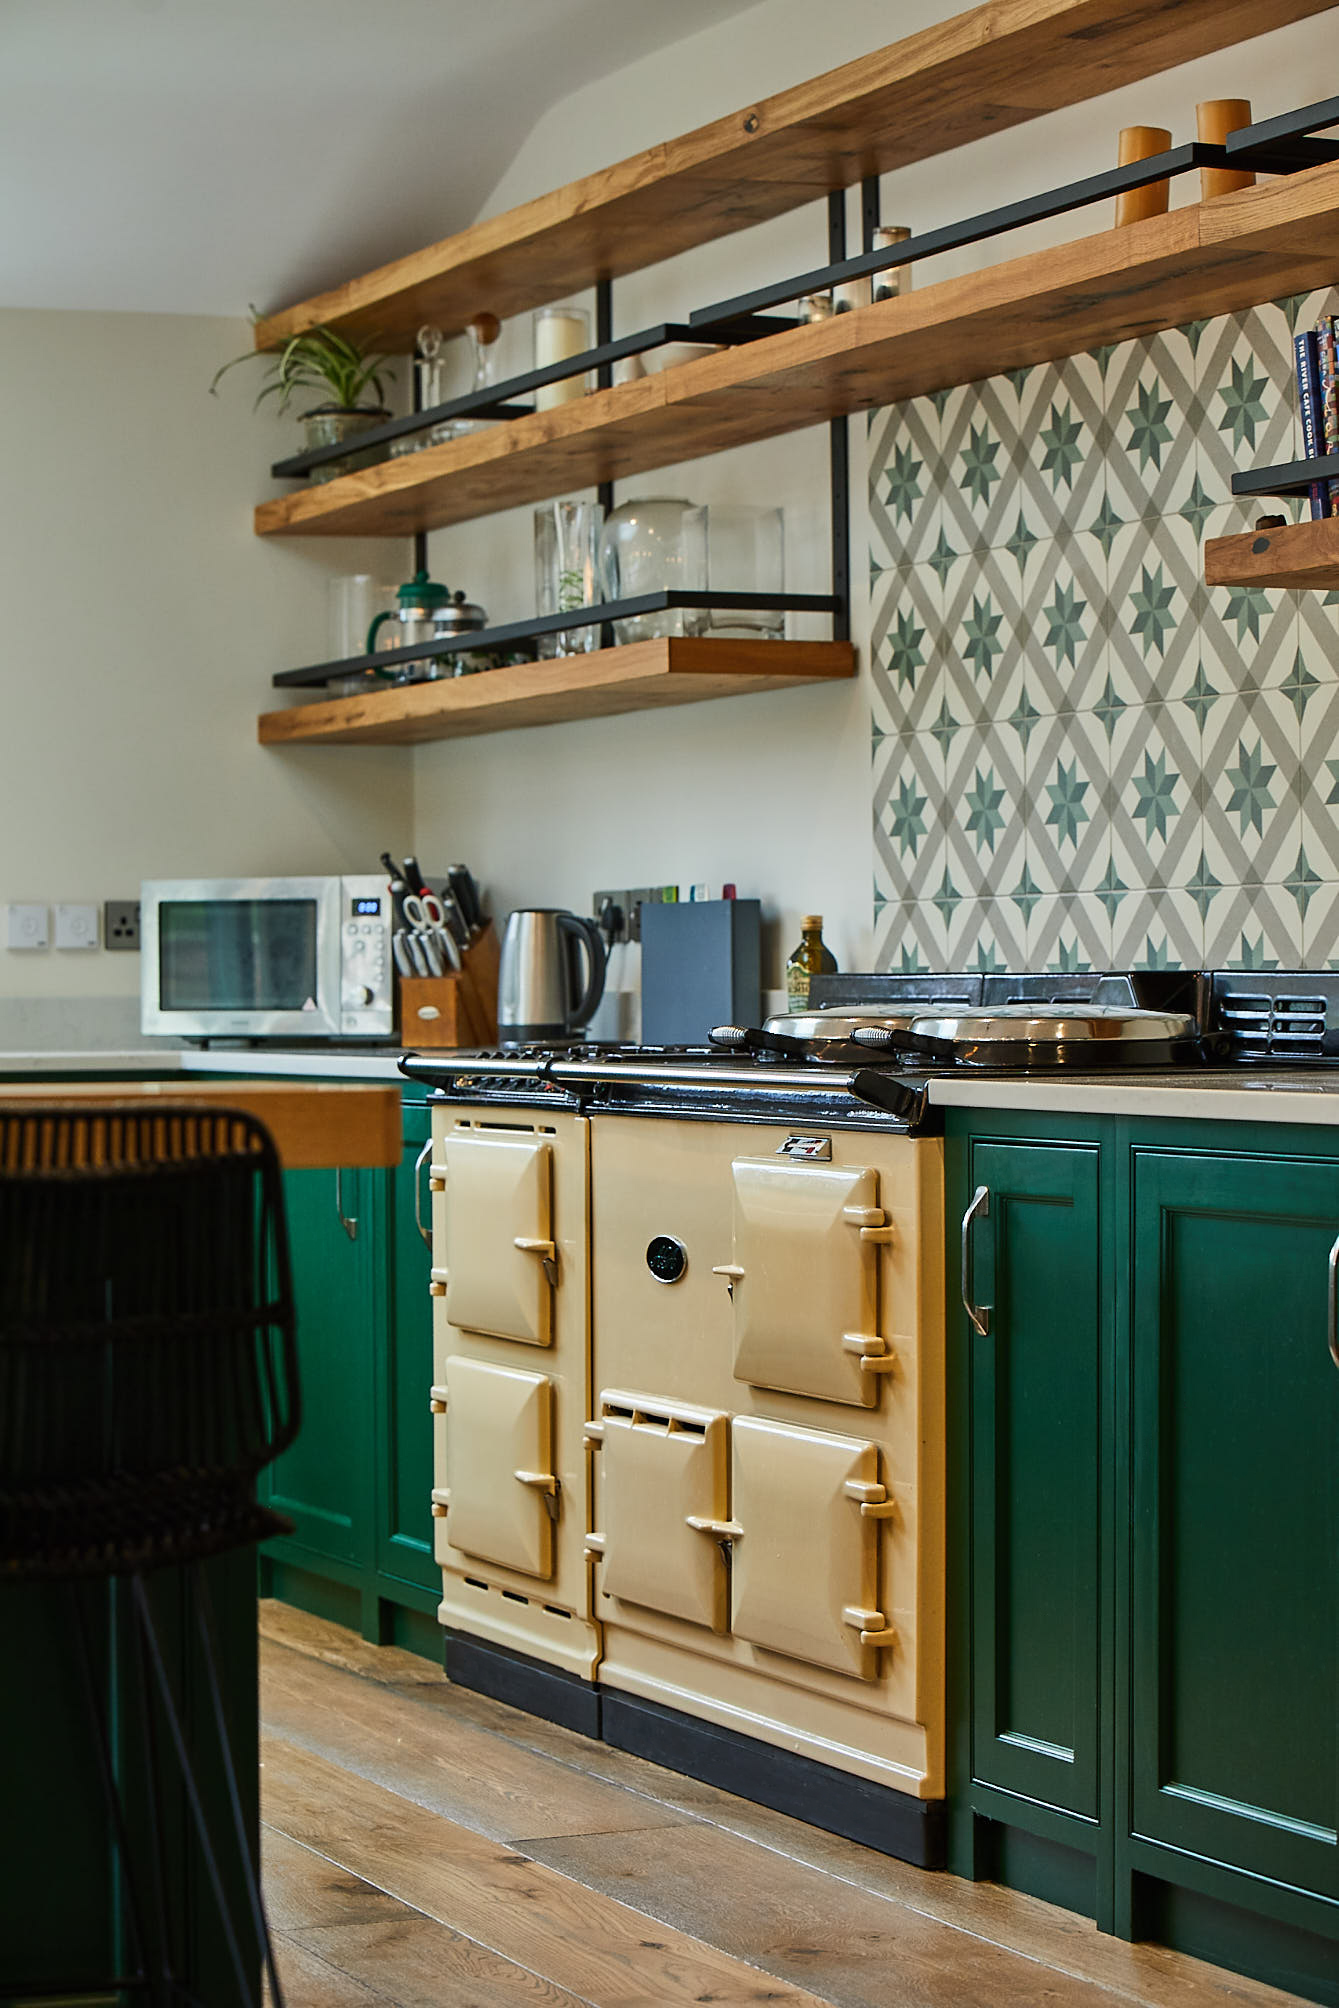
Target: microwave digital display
column 237, row 955
column 366, row 906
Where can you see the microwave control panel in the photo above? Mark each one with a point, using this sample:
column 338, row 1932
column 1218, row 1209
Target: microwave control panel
column 367, row 984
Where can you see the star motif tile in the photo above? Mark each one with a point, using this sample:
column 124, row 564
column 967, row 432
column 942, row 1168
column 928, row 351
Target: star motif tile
column 1080, row 751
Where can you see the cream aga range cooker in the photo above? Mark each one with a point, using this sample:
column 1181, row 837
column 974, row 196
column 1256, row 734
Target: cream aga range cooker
column 689, row 1385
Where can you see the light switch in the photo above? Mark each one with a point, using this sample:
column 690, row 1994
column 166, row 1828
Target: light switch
column 76, row 926
column 28, row 927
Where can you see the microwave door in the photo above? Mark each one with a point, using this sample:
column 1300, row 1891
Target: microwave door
column 239, row 958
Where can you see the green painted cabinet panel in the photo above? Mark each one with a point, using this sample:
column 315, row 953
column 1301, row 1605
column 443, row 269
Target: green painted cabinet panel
column 404, row 1464
column 324, row 1482
column 1234, row 1753
column 1035, row 1434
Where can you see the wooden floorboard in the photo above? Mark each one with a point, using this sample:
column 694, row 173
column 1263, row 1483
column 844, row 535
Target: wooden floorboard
column 399, row 1809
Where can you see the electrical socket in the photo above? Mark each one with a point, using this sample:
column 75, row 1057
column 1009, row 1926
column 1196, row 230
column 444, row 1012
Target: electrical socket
column 631, row 900
column 120, row 923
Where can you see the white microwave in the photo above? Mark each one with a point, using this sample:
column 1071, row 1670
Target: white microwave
column 267, row 958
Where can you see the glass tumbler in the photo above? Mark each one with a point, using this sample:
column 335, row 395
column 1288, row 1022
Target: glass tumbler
column 736, row 547
column 567, row 544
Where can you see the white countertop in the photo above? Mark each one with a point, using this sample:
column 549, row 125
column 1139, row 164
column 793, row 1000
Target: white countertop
column 336, row 1063
column 1236, row 1094
column 1233, row 1094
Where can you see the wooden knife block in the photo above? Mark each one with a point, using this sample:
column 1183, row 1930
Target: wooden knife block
column 459, row 1009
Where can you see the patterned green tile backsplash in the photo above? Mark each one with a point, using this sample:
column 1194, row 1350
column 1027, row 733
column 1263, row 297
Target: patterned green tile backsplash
column 1083, row 756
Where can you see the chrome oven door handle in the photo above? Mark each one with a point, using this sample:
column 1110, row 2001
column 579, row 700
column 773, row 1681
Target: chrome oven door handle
column 1332, row 1320
column 980, row 1210
column 419, row 1163
column 348, row 1221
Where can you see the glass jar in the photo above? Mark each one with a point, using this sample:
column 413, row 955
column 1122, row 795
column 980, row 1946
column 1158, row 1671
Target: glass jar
column 567, row 548
column 735, row 547
column 642, row 551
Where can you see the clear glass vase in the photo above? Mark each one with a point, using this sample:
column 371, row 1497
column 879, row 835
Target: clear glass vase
column 736, row 547
column 567, row 543
column 642, row 551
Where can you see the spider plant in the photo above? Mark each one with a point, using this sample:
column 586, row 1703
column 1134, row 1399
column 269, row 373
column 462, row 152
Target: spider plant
column 316, row 360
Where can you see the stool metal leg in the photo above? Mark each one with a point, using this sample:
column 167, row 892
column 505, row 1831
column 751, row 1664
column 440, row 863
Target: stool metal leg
column 248, row 1987
column 204, row 1618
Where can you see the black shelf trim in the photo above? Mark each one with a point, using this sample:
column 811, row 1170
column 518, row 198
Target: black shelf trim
column 1284, row 145
column 543, row 624
column 1290, row 477
column 953, row 236
column 495, row 402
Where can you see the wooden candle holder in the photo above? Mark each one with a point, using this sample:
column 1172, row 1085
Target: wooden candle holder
column 459, row 1009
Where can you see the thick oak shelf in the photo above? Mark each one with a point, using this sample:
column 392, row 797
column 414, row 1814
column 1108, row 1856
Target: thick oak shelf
column 642, row 676
column 1210, row 258
column 1300, row 554
column 984, row 71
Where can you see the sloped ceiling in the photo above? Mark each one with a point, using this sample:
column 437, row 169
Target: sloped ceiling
column 198, row 156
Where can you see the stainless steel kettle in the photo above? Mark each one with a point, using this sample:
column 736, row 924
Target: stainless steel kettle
column 542, row 990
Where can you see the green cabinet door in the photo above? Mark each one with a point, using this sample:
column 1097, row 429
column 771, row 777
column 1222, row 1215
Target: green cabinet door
column 404, row 1462
column 1234, row 1756
column 1036, row 1420
column 324, row 1482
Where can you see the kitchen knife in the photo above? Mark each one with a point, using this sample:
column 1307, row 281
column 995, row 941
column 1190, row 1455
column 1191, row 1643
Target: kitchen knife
column 398, row 888
column 465, row 893
column 413, row 874
column 454, row 920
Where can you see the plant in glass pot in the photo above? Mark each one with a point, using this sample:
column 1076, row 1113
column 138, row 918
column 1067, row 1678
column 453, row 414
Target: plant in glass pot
column 339, row 371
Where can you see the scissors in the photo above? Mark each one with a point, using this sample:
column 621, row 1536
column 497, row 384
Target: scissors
column 427, row 917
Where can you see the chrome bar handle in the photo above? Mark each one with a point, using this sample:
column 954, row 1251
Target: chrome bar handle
column 349, row 1222
column 419, row 1163
column 1333, row 1319
column 980, row 1209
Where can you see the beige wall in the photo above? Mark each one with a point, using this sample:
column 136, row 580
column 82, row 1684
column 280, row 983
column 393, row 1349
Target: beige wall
column 142, row 622
column 772, row 792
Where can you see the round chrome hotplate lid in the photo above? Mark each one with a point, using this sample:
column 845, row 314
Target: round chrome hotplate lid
column 838, row 1021
column 1072, row 1035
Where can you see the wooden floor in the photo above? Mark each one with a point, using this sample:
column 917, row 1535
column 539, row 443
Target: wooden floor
column 426, row 1847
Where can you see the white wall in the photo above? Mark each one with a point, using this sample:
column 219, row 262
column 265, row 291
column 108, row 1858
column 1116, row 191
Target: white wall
column 772, row 792
column 142, row 623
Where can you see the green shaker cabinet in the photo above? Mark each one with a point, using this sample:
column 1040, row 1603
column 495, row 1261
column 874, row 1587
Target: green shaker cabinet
column 1036, row 1417
column 1144, row 1590
column 1234, row 1574
column 356, row 1483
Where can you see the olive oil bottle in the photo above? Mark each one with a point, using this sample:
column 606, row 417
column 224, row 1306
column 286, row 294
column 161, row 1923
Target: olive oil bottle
column 810, row 959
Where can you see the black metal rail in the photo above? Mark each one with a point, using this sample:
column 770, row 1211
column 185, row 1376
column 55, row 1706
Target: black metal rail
column 495, row 403
column 953, row 236
column 1284, row 145
column 1290, row 477
column 545, row 624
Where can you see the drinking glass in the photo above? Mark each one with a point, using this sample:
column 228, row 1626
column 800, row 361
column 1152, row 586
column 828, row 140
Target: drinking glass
column 567, row 542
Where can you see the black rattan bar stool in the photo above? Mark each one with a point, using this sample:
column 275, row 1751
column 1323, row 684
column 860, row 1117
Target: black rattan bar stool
column 147, row 1372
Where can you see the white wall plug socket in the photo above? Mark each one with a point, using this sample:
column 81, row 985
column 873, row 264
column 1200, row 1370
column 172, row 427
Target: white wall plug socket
column 29, row 927
column 76, row 927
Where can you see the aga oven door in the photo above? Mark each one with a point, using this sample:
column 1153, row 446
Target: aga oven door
column 804, row 1278
column 501, row 1497
column 501, row 1264
column 806, row 1511
column 663, row 1478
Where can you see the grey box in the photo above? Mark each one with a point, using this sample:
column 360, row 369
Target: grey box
column 701, row 966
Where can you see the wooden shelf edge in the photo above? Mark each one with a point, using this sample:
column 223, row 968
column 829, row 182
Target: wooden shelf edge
column 1215, row 257
column 1303, row 555
column 999, row 65
column 640, row 676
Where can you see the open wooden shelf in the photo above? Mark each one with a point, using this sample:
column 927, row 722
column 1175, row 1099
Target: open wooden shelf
column 986, row 70
column 1211, row 258
column 639, row 677
column 1300, row 554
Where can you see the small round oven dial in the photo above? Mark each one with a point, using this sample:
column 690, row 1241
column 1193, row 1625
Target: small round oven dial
column 666, row 1258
